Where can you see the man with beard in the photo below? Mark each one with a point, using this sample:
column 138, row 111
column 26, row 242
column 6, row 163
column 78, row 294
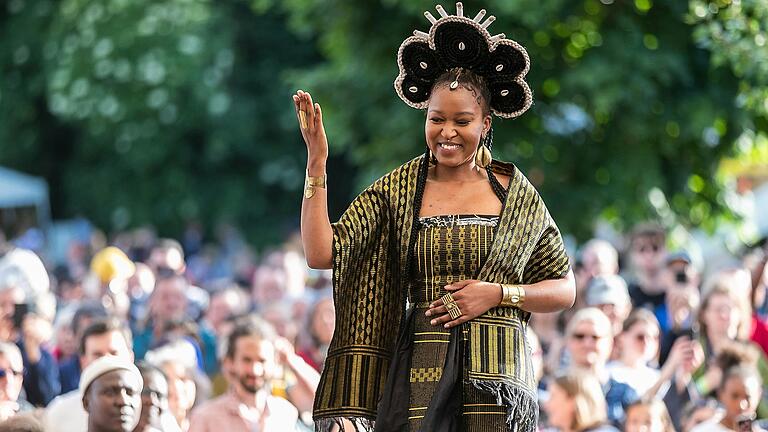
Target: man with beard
column 111, row 388
column 249, row 363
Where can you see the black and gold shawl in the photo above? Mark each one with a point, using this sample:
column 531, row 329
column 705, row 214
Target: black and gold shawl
column 370, row 259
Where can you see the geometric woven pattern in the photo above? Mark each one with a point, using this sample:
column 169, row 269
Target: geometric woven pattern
column 370, row 253
column 426, row 374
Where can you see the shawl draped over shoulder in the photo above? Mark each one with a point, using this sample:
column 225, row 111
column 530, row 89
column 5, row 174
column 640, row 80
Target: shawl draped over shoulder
column 370, row 258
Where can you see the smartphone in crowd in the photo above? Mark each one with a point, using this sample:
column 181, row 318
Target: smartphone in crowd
column 744, row 422
column 20, row 310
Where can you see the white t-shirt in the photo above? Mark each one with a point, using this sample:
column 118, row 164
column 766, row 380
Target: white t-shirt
column 711, row 425
column 640, row 379
column 66, row 414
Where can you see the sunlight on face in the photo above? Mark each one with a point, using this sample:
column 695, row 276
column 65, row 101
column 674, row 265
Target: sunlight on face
column 455, row 123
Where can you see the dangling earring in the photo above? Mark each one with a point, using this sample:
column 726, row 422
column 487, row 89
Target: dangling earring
column 432, row 158
column 483, row 156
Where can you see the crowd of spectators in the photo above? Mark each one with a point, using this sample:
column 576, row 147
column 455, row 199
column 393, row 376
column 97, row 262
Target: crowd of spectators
column 220, row 340
column 150, row 334
column 656, row 341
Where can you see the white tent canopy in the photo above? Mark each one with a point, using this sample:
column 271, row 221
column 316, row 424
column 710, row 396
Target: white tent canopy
column 22, row 190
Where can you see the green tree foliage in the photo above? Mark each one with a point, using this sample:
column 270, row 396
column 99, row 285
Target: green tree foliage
column 171, row 108
column 163, row 111
column 635, row 101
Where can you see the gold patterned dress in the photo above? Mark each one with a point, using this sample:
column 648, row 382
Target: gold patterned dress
column 366, row 377
column 448, row 249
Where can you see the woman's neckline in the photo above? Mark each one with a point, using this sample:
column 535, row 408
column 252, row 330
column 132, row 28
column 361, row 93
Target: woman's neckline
column 460, row 216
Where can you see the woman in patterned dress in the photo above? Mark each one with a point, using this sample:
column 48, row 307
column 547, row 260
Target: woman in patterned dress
column 442, row 223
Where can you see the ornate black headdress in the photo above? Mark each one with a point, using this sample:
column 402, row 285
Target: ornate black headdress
column 459, row 41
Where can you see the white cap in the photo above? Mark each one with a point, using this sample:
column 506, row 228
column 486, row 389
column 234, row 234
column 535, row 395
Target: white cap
column 607, row 289
column 24, row 269
column 104, row 365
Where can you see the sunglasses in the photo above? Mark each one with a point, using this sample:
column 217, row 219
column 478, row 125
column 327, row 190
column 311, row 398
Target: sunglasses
column 582, row 336
column 4, row 372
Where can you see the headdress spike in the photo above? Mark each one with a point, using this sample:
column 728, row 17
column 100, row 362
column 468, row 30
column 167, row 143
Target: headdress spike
column 459, row 9
column 489, row 21
column 442, row 11
column 421, row 34
column 498, row 37
column 479, row 16
column 430, row 17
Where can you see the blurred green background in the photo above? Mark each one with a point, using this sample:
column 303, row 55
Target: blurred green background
column 168, row 111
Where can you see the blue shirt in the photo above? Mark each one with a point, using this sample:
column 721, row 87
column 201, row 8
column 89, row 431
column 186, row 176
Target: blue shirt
column 618, row 396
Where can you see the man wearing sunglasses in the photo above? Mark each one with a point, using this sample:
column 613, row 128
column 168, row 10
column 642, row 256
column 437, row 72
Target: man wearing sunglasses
column 11, row 379
column 647, row 252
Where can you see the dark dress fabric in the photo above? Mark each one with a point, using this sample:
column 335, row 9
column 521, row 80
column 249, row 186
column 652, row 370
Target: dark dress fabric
column 429, row 366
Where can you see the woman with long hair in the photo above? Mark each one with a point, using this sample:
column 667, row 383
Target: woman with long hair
column 648, row 415
column 724, row 317
column 638, row 347
column 576, row 403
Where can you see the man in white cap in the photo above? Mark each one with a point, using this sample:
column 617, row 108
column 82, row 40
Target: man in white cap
column 106, row 336
column 610, row 294
column 111, row 388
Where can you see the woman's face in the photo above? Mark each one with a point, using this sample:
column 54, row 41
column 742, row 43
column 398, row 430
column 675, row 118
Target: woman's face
column 721, row 316
column 560, row 408
column 640, row 418
column 740, row 396
column 455, row 123
column 589, row 345
column 641, row 340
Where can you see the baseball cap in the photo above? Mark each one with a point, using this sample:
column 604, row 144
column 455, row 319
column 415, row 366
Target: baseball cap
column 607, row 289
column 112, row 263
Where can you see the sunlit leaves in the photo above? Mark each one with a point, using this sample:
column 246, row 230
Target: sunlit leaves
column 626, row 104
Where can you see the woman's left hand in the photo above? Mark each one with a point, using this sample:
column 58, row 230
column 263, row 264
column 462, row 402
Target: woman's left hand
column 473, row 298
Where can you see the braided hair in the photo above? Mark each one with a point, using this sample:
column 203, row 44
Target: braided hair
column 421, row 183
column 498, row 189
column 468, row 80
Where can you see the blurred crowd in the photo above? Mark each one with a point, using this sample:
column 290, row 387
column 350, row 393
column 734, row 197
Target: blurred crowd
column 223, row 340
column 656, row 341
column 141, row 333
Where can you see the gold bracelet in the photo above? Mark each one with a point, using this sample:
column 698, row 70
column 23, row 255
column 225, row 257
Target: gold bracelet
column 310, row 183
column 512, row 295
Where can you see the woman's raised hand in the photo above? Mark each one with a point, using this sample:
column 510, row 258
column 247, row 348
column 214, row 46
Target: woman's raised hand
column 310, row 119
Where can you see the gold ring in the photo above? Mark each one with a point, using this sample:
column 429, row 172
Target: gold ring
column 454, row 312
column 447, row 298
column 450, row 305
column 303, row 119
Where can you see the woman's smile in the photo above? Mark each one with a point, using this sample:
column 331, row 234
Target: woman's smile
column 449, row 146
